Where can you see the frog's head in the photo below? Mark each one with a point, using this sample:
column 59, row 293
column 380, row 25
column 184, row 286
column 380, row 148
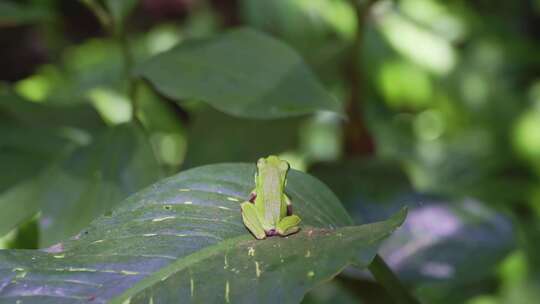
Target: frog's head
column 273, row 163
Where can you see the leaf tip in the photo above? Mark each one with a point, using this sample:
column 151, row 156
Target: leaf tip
column 399, row 217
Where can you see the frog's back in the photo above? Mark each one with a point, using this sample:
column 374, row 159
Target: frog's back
column 272, row 195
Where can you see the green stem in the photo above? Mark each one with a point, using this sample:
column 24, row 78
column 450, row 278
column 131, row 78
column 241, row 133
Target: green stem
column 121, row 37
column 100, row 13
column 357, row 138
column 355, row 143
column 128, row 68
column 384, row 275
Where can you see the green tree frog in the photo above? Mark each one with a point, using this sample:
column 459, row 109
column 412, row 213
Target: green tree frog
column 269, row 211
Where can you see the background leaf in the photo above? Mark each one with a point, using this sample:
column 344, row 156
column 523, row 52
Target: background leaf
column 25, row 151
column 93, row 179
column 237, row 139
column 32, row 137
column 184, row 230
column 81, row 116
column 442, row 240
column 14, row 14
column 243, row 73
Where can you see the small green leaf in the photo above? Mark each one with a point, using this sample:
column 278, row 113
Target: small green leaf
column 242, row 73
column 18, row 203
column 182, row 239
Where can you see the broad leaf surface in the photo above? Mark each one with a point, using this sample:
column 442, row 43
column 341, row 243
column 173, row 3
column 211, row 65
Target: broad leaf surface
column 243, row 73
column 182, row 240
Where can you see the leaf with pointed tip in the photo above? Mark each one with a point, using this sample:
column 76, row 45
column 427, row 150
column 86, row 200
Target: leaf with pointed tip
column 242, row 73
column 182, row 240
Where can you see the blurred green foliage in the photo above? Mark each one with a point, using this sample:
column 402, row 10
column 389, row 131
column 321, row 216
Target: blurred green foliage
column 447, row 91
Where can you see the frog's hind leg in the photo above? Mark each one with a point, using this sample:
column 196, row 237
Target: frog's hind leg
column 288, row 225
column 251, row 220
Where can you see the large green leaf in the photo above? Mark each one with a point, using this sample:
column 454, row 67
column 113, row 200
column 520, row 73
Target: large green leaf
column 243, row 73
column 182, row 240
column 93, row 179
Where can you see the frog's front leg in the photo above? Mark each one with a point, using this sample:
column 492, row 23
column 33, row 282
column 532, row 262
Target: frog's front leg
column 252, row 196
column 251, row 220
column 289, row 204
column 288, row 225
